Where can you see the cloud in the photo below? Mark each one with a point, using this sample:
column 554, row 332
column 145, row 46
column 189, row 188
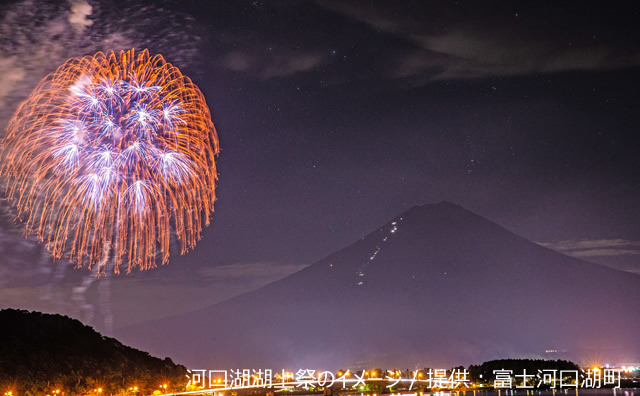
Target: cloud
column 604, row 252
column 460, row 55
column 595, row 248
column 78, row 16
column 272, row 63
column 37, row 37
column 444, row 42
column 11, row 76
column 267, row 271
column 156, row 294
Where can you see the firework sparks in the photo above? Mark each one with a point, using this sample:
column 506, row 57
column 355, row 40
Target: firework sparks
column 110, row 155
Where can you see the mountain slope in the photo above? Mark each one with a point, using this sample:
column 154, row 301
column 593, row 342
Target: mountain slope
column 437, row 285
column 40, row 351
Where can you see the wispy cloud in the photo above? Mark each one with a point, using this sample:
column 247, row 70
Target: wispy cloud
column 37, row 37
column 272, row 63
column 156, row 294
column 445, row 45
column 261, row 271
column 78, row 18
column 596, row 247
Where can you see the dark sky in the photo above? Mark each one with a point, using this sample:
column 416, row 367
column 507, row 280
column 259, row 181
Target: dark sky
column 336, row 116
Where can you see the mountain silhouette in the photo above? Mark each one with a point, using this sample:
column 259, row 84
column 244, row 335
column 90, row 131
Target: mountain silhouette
column 39, row 351
column 436, row 286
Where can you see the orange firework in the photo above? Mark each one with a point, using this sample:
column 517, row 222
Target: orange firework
column 108, row 156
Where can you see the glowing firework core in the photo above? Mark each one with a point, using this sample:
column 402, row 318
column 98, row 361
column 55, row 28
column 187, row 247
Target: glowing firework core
column 108, row 155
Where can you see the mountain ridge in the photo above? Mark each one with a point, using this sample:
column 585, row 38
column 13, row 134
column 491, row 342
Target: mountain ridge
column 39, row 351
column 419, row 269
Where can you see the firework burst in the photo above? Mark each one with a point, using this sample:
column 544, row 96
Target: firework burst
column 111, row 155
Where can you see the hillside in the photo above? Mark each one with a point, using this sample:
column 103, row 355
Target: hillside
column 40, row 353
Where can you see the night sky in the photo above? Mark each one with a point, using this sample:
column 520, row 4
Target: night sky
column 336, row 116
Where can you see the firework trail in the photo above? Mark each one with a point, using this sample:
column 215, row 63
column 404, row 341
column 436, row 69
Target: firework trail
column 35, row 38
column 108, row 155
